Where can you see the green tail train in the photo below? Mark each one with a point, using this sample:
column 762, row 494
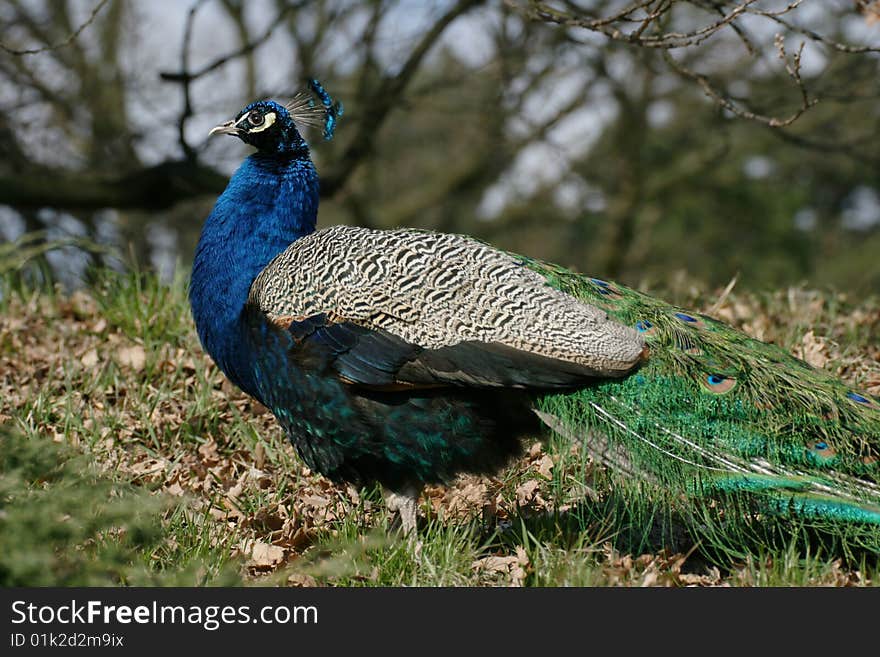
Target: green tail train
column 715, row 414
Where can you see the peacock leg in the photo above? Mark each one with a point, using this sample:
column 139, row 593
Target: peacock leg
column 405, row 504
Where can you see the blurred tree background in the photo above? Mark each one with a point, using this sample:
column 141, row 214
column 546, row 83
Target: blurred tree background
column 642, row 141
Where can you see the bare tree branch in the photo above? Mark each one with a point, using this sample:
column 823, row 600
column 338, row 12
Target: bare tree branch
column 607, row 25
column 185, row 76
column 725, row 101
column 236, row 11
column 648, row 24
column 815, row 36
column 386, row 96
column 60, row 44
column 187, row 110
column 150, row 188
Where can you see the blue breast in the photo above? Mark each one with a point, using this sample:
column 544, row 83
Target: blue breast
column 271, row 201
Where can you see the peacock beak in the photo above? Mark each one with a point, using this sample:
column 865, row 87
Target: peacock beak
column 227, row 128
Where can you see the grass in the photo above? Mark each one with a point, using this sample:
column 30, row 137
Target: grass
column 129, row 459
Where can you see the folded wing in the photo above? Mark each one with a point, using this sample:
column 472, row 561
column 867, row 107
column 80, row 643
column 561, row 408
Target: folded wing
column 408, row 308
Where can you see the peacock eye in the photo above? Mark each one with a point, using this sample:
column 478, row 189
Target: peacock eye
column 718, row 383
column 256, row 118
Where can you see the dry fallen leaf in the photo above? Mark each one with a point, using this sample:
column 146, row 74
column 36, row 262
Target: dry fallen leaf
column 494, row 564
column 316, row 501
column 209, row 453
column 525, row 493
column 514, row 565
column 518, row 571
column 301, row 579
column 89, row 359
column 134, row 357
column 545, row 467
column 175, row 489
column 265, row 555
column 470, row 495
column 813, row 350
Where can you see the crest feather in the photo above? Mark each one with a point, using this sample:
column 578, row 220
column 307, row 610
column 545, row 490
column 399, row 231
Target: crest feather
column 305, row 111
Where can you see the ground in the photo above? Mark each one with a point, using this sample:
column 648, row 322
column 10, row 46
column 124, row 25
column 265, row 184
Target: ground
column 115, row 373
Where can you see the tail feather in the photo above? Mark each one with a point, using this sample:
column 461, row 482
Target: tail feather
column 715, row 413
column 609, row 454
column 771, row 488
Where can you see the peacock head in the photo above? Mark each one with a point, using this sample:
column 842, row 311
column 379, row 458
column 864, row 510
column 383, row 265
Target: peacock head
column 266, row 125
column 273, row 128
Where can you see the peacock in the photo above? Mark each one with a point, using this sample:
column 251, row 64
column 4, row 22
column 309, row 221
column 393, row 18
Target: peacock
column 405, row 357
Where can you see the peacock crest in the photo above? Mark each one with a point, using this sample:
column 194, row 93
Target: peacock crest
column 304, row 111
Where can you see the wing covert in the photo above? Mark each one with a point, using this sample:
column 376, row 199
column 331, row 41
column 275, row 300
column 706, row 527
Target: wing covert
column 410, row 307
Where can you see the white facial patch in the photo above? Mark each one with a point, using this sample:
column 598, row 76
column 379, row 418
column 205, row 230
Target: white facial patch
column 268, row 120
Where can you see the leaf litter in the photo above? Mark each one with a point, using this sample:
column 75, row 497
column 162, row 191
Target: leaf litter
column 156, row 413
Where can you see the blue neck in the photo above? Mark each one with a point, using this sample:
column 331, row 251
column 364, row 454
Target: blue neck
column 270, row 202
